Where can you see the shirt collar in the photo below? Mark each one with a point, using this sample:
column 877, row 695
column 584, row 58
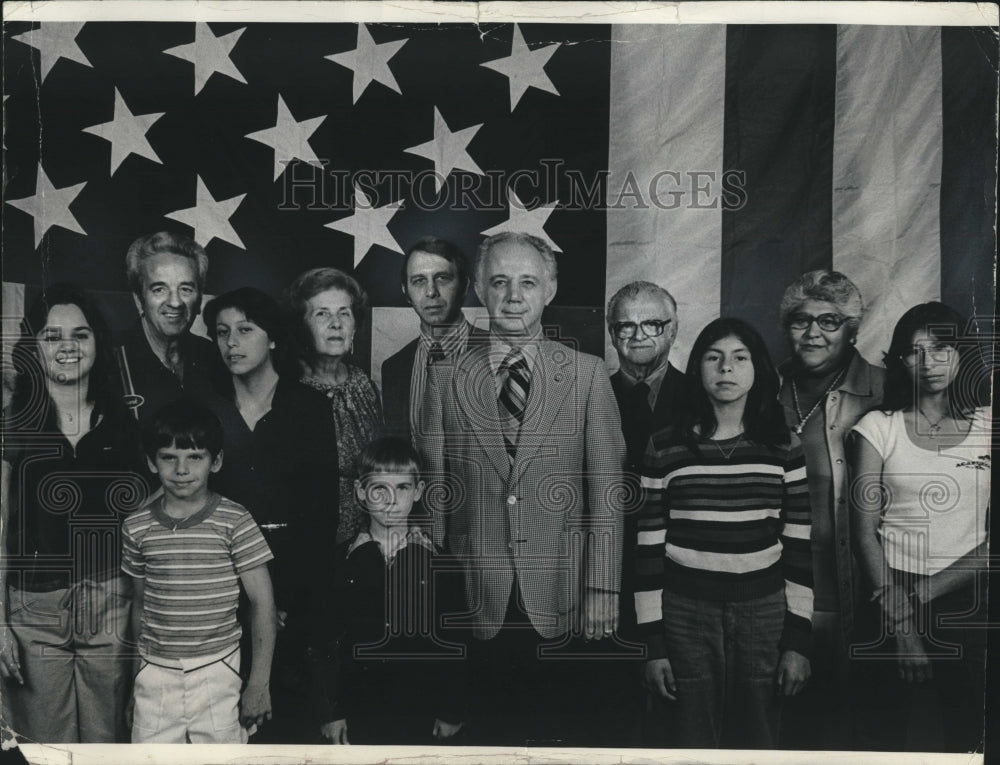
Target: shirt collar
column 653, row 380
column 857, row 381
column 451, row 338
column 500, row 348
column 413, row 536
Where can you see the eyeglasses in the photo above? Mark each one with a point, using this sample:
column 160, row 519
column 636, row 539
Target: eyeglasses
column 939, row 355
column 625, row 330
column 828, row 322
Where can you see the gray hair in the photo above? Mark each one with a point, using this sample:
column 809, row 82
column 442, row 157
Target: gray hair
column 830, row 287
column 634, row 289
column 164, row 242
column 518, row 237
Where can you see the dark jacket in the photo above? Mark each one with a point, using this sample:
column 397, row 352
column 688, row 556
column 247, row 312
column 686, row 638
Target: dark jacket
column 68, row 503
column 204, row 373
column 638, row 430
column 376, row 639
column 285, row 473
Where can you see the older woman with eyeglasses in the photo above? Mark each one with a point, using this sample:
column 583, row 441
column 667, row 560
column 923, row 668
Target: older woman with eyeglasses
column 826, row 387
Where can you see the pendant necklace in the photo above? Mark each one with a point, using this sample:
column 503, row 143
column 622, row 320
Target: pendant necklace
column 935, row 427
column 820, row 400
column 732, row 449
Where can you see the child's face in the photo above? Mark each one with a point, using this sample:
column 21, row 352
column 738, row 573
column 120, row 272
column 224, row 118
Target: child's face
column 389, row 497
column 184, row 472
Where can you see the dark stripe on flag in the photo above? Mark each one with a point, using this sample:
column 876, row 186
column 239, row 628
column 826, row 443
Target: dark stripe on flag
column 968, row 172
column 780, row 86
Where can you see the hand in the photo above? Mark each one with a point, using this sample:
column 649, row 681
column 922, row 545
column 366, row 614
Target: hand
column 10, row 657
column 445, row 730
column 793, row 673
column 282, row 619
column 335, row 732
column 896, row 606
column 255, row 705
column 658, row 678
column 913, row 664
column 600, row 614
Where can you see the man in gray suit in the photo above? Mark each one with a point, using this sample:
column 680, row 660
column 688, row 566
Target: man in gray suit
column 526, row 432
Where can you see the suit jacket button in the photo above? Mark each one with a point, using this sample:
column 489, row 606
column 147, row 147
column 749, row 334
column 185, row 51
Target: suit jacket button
column 511, row 500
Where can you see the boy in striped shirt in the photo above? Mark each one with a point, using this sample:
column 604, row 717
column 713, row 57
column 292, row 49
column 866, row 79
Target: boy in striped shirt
column 187, row 551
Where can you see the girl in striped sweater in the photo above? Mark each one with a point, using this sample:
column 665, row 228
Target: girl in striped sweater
column 724, row 578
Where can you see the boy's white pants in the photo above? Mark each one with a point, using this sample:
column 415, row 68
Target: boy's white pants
column 182, row 700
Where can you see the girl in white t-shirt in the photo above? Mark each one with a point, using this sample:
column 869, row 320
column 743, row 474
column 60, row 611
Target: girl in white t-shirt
column 920, row 497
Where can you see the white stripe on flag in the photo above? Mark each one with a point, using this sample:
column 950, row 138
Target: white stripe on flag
column 13, row 310
column 668, row 87
column 887, row 172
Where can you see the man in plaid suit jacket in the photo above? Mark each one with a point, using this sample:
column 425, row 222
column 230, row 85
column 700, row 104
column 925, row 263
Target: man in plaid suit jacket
column 531, row 452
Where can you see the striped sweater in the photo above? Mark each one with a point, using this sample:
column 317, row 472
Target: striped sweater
column 191, row 569
column 723, row 529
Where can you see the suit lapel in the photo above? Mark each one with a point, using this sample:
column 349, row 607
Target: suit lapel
column 475, row 391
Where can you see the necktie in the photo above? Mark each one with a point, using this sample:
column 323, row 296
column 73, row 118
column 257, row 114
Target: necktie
column 641, row 416
column 640, row 402
column 514, row 395
column 435, row 354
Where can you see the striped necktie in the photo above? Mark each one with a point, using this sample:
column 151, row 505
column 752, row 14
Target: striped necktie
column 514, row 395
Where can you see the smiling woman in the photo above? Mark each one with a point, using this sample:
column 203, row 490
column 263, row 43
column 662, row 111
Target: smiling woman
column 826, row 387
column 72, row 469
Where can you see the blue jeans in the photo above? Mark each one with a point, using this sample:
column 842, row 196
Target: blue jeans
column 724, row 656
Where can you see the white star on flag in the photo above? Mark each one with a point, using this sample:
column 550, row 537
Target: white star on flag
column 529, row 221
column 369, row 225
column 210, row 217
column 127, row 133
column 54, row 41
column 209, row 54
column 447, row 150
column 369, row 61
column 289, row 139
column 525, row 68
column 50, row 206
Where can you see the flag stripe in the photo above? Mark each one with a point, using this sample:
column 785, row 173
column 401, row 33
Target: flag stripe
column 667, row 113
column 780, row 84
column 887, row 171
column 968, row 173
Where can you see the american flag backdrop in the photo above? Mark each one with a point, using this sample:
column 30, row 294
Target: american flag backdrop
column 720, row 161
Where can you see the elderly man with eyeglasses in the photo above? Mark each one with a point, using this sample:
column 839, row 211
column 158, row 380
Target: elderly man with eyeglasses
column 642, row 321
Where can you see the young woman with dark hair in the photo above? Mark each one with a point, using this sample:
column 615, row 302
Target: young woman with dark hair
column 723, row 577
column 919, row 503
column 281, row 465
column 72, row 469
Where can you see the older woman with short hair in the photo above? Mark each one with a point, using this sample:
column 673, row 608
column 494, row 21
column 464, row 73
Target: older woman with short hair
column 328, row 306
column 826, row 387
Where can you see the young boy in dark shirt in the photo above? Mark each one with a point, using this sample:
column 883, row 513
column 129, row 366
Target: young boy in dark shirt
column 388, row 671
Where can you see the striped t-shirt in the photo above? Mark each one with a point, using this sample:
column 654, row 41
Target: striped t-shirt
column 191, row 569
column 729, row 524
